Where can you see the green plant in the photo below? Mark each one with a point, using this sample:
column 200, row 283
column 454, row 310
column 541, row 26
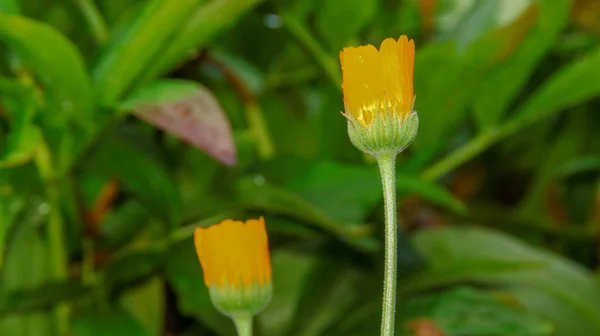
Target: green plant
column 126, row 124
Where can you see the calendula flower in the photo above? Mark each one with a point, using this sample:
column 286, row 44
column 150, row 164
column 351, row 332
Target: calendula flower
column 379, row 95
column 237, row 268
column 379, row 98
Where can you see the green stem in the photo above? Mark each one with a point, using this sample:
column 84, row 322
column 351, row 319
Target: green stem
column 387, row 164
column 476, row 146
column 94, row 19
column 460, row 156
column 243, row 325
column 58, row 254
column 259, row 130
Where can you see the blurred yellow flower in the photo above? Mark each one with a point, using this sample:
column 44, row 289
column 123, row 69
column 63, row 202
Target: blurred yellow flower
column 379, row 81
column 236, row 263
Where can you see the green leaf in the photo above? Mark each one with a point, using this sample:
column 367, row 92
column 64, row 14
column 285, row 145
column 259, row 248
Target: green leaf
column 277, row 200
column 143, row 175
column 132, row 267
column 407, row 183
column 21, row 145
column 558, row 92
column 291, row 228
column 301, row 32
column 364, row 319
column 472, row 24
column 41, row 297
column 494, row 259
column 24, row 136
column 114, row 322
column 448, row 73
column 339, row 21
column 585, row 163
column 184, row 273
column 160, row 92
column 205, row 22
column 290, row 272
column 123, row 223
column 564, row 321
column 19, row 194
column 195, row 186
column 331, row 130
column 127, row 57
column 298, row 137
column 188, row 111
column 442, row 100
column 566, row 145
column 249, row 74
column 146, row 303
column 6, row 203
column 66, row 112
column 56, row 62
column 505, row 81
column 27, row 244
column 9, row 7
column 466, row 311
column 332, row 289
column 348, row 193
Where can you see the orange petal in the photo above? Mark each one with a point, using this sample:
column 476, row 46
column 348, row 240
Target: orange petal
column 234, row 252
column 378, row 81
column 361, row 81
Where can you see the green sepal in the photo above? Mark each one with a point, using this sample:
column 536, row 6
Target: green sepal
column 386, row 133
column 241, row 301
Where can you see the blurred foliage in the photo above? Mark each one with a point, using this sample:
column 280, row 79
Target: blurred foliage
column 124, row 124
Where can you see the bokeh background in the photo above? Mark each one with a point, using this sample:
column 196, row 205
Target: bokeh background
column 124, row 124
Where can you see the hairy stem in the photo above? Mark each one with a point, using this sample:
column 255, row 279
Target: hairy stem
column 387, row 163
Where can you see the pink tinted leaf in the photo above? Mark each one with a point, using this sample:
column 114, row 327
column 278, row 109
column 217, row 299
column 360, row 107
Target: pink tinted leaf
column 188, row 111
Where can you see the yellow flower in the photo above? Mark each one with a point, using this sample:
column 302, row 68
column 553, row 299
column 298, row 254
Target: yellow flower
column 379, row 95
column 379, row 80
column 236, row 264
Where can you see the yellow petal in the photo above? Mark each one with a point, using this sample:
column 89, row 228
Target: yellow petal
column 378, row 81
column 361, row 69
column 391, row 73
column 234, row 253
